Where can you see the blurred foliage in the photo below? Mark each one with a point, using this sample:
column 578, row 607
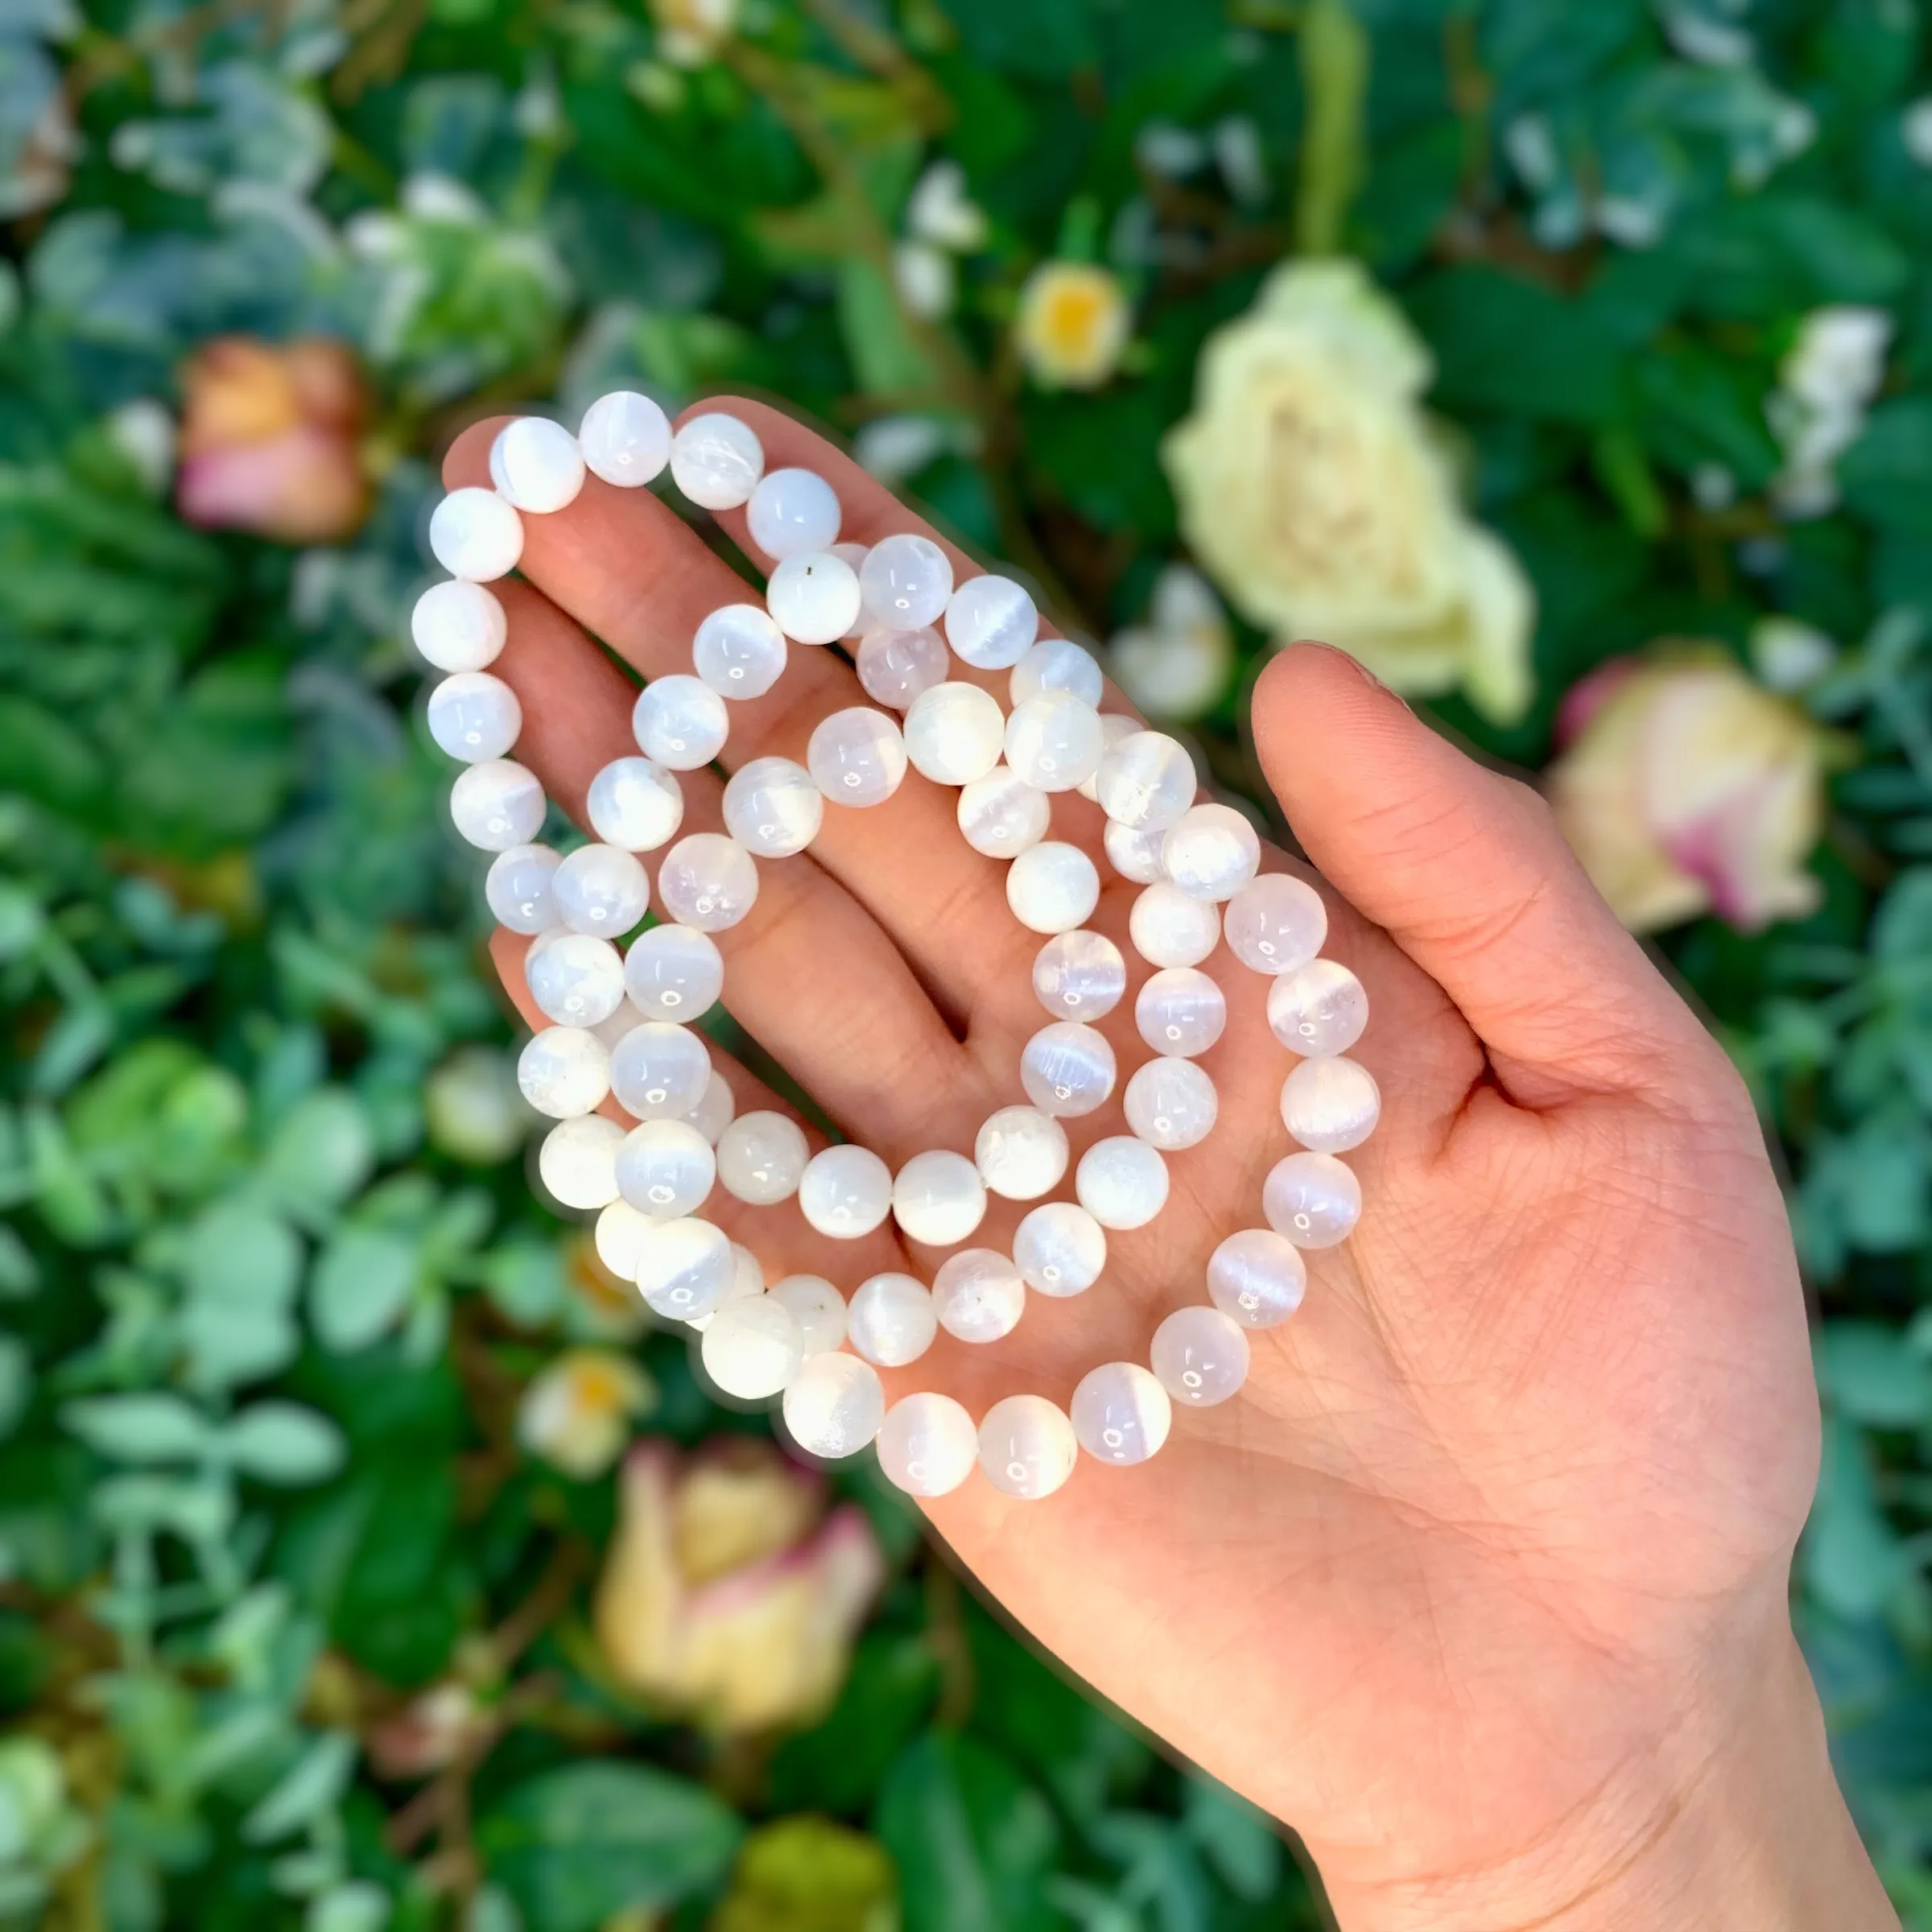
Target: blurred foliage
column 292, row 1627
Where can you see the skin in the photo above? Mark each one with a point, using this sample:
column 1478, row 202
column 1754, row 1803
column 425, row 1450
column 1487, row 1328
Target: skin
column 1480, row 1583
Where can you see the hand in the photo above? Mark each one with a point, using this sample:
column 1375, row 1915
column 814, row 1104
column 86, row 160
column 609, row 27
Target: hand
column 1479, row 1582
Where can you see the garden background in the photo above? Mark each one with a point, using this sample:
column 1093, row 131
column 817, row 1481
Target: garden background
column 310, row 1417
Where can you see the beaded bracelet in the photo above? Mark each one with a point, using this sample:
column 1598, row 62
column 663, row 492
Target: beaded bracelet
column 622, row 1020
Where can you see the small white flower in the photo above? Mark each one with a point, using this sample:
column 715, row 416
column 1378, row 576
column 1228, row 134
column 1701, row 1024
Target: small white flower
column 925, row 279
column 941, row 212
column 1839, row 359
column 441, row 198
column 1173, row 153
column 143, row 431
column 1243, row 163
column 894, row 447
column 1915, row 130
column 1788, row 654
column 1178, row 664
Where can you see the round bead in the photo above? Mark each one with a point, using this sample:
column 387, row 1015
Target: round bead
column 1257, row 1278
column 817, row 1307
column 1134, row 855
column 673, row 973
column 747, row 1281
column 739, row 652
column 659, row 1072
column 991, row 623
column 927, row 1445
column 978, row 1295
column 575, row 979
column 517, row 889
column 1027, row 1447
column 1180, row 1010
column 1057, row 664
column 626, row 439
column 458, row 626
column 814, row 597
column 938, row 1199
column 761, row 1157
column 953, row 733
column 773, row 808
column 1147, row 782
column 634, row 803
column 1053, row 887
column 716, row 461
column 600, row 889
column 835, row 1406
column 474, row 715
column 1021, row 1153
column 906, row 581
column 1002, row 815
column 578, row 1161
column 475, row 534
column 1122, row 1182
column 1053, row 741
column 536, row 465
column 896, row 665
column 1067, row 1069
column 1169, row 929
column 1121, row 1414
column 853, row 556
column 664, row 1169
column 1170, row 1103
column 1312, row 1198
column 619, row 1236
column 1200, row 1356
column 680, row 721
column 613, row 1028
column 685, row 1269
column 708, row 881
column 845, row 1191
column 1318, row 1009
column 713, row 1112
column 751, row 1348
column 891, row 1320
column 1080, row 976
column 1114, row 727
column 1330, row 1105
column 565, row 1072
column 792, row 511
column 1275, row 923
column 1060, row 1249
column 1210, row 852
column 856, row 757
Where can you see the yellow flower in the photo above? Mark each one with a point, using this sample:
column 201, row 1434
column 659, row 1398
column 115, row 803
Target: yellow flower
column 577, row 1412
column 1315, row 490
column 809, row 1874
column 1072, row 324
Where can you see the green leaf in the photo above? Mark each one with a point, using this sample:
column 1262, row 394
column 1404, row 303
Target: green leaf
column 1874, row 1376
column 150, row 1428
column 16, row 1382
column 1334, row 54
column 361, row 1284
column 1238, row 1840
column 282, row 1442
column 313, row 1785
column 322, row 1153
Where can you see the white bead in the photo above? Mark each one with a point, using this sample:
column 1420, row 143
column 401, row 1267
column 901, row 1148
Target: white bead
column 856, row 757
column 600, row 889
column 1027, row 1447
column 716, row 461
column 578, row 1161
column 659, row 1072
column 817, row 1307
column 473, row 715
column 1134, row 855
column 845, row 1192
column 1318, row 1009
column 792, row 511
column 1200, row 1356
column 773, row 808
column 1210, row 852
column 517, row 888
column 751, row 1348
column 1257, row 1278
column 991, row 623
column 739, row 652
column 664, row 1169
column 680, row 721
column 953, row 733
column 1053, row 741
column 626, row 439
column 835, row 1406
column 673, row 973
column 714, row 1112
column 927, row 1445
column 685, row 1268
column 708, row 881
column 536, row 465
column 1060, row 1249
column 1330, row 1105
column 747, row 1283
column 1053, row 887
column 1170, row 1103
column 814, row 598
column 636, row 803
column 895, row 665
column 978, row 1295
column 1021, row 1153
column 761, row 1156
column 1067, row 1069
column 1001, row 816
column 565, row 1072
column 1312, row 1198
column 1057, row 664
column 938, row 1199
column 1146, row 781
column 459, row 626
column 906, row 581
column 1120, row 1413
column 1122, row 1182
column 575, row 979
column 474, row 533
column 1114, row 727
column 1180, row 1010
column 612, row 1029
column 1168, row 928
column 891, row 1320
column 1080, row 976
column 1275, row 923
column 620, row 1235
column 853, row 556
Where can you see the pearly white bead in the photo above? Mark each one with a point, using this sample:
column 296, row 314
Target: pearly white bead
column 1027, row 1447
column 938, row 1199
column 747, row 1280
column 1121, row 1414
column 1312, row 1198
column 1168, row 928
column 738, row 652
column 473, row 715
column 1001, row 816
column 773, row 808
column 991, row 623
column 953, row 733
column 1330, row 1105
column 659, row 1072
column 927, row 1445
column 813, row 596
column 856, row 757
column 1170, row 1103
column 751, row 1349
column 1210, row 852
column 1257, row 1278
column 1052, row 887
column 891, row 1321
column 536, row 465
column 672, row 973
column 1275, row 923
column 600, row 889
column 1318, row 1009
column 1147, row 782
column 665, row 1169
column 1080, row 976
column 895, row 665
column 708, row 881
column 1057, row 664
column 634, row 803
column 761, row 1157
column 1021, row 1153
column 1134, row 855
column 853, row 556
column 459, row 626
column 1067, row 1069
column 565, row 1072
column 517, row 888
column 578, row 1161
column 792, row 511
column 1115, row 727
column 1060, row 1249
column 817, row 1307
column 1180, row 1011
column 1053, row 741
column 716, row 461
column 619, row 1236
column 686, row 1268
column 835, row 1406
column 714, row 1112
column 626, row 439
column 845, row 1191
column 1122, row 1182
column 978, row 1295
column 574, row 979
column 680, row 721
column 905, row 581
column 1200, row 1356
column 475, row 534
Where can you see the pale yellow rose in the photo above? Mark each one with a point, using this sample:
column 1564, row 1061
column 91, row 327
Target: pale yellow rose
column 1313, row 488
column 577, row 1412
column 1072, row 324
